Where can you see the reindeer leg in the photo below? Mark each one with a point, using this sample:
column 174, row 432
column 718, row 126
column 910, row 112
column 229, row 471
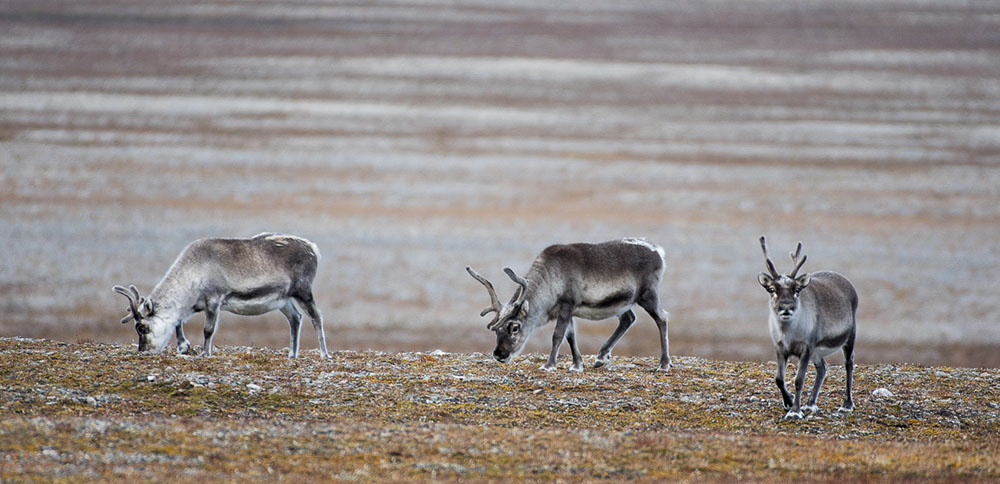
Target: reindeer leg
column 800, row 380
column 625, row 321
column 650, row 302
column 820, row 365
column 309, row 305
column 211, row 321
column 563, row 322
column 571, row 339
column 779, row 379
column 294, row 326
column 848, row 405
column 183, row 345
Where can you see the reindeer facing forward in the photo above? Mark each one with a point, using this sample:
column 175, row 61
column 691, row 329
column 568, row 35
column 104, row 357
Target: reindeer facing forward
column 591, row 281
column 243, row 276
column 812, row 315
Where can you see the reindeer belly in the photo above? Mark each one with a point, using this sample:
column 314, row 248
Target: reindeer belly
column 824, row 351
column 608, row 306
column 255, row 302
column 831, row 344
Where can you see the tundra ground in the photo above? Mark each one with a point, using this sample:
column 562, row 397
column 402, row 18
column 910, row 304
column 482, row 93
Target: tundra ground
column 89, row 412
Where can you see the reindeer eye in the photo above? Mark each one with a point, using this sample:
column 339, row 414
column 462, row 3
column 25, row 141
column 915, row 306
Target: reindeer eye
column 515, row 328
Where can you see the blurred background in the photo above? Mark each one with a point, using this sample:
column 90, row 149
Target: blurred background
column 409, row 139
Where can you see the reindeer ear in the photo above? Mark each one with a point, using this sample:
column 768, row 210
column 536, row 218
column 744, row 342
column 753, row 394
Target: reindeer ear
column 524, row 310
column 146, row 306
column 765, row 280
column 803, row 281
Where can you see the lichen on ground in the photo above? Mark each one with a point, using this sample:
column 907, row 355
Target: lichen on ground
column 99, row 412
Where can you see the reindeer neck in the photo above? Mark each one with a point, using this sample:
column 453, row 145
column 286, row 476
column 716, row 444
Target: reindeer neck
column 177, row 292
column 543, row 294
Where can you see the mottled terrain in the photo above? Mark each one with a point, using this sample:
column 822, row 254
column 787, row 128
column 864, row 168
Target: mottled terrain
column 88, row 412
column 409, row 139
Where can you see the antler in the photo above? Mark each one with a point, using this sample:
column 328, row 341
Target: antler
column 495, row 305
column 767, row 260
column 133, row 301
column 795, row 259
column 522, row 291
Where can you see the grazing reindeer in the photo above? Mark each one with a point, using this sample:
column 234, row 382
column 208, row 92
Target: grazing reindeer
column 812, row 315
column 243, row 276
column 592, row 281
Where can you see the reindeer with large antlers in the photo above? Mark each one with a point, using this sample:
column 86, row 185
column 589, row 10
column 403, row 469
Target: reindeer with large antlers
column 243, row 276
column 591, row 281
column 812, row 316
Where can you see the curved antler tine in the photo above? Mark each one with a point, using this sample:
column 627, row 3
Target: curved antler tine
column 496, row 318
column 131, row 295
column 517, row 298
column 135, row 291
column 767, row 260
column 798, row 250
column 771, row 269
column 514, row 277
column 522, row 291
column 127, row 318
column 798, row 264
column 495, row 305
column 121, row 290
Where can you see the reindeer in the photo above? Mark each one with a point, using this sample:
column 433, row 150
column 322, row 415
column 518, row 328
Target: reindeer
column 591, row 281
column 811, row 316
column 243, row 276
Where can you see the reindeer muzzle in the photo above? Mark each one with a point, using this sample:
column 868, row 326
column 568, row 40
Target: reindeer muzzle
column 501, row 356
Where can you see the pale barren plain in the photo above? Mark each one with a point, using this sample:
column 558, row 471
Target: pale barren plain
column 409, row 139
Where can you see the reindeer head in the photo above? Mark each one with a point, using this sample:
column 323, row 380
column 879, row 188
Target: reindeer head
column 784, row 290
column 153, row 333
column 509, row 322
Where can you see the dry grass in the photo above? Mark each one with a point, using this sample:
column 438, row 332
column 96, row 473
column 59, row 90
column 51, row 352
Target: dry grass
column 98, row 412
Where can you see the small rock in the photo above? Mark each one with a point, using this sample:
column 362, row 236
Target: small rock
column 96, row 426
column 253, row 387
column 92, row 401
column 882, row 393
column 151, row 378
column 438, row 353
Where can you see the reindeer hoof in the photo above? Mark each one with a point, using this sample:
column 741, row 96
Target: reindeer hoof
column 577, row 368
column 664, row 368
column 845, row 409
column 811, row 408
column 599, row 363
column 184, row 348
column 548, row 367
column 794, row 415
